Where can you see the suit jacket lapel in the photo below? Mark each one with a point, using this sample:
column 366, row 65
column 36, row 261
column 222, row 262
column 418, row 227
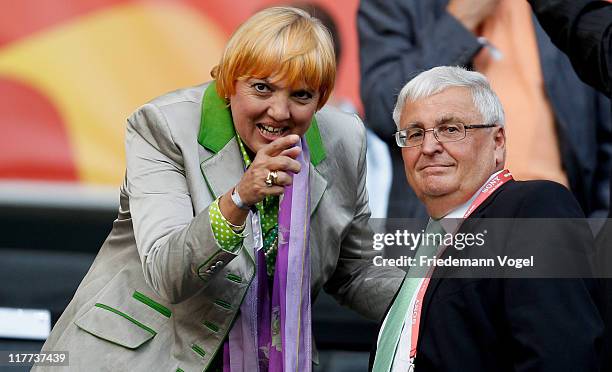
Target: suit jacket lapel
column 318, row 184
column 435, row 281
column 223, row 170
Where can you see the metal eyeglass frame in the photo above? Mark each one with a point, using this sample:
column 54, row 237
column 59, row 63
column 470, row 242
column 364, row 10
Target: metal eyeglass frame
column 465, row 128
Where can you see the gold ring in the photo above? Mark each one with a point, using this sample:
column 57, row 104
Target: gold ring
column 271, row 178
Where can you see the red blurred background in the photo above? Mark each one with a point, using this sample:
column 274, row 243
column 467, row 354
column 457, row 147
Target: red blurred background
column 71, row 71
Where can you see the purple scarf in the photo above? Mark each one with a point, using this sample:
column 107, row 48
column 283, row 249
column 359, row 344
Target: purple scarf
column 273, row 333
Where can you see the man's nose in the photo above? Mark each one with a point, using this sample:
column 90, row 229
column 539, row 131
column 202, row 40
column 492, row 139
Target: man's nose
column 279, row 108
column 430, row 144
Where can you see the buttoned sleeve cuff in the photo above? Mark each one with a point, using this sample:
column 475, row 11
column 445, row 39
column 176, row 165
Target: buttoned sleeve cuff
column 227, row 238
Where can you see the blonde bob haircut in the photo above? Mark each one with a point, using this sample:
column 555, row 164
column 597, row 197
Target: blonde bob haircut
column 282, row 41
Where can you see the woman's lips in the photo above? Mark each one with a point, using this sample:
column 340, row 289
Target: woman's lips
column 271, row 133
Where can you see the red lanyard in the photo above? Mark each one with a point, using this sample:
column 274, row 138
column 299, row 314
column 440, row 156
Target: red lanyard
column 488, row 189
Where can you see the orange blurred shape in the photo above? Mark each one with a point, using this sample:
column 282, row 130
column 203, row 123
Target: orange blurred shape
column 34, row 143
column 24, row 17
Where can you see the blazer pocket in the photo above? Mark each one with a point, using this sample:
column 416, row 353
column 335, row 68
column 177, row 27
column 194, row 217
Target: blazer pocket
column 115, row 326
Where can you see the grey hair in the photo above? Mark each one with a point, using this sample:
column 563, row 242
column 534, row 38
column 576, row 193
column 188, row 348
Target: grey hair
column 437, row 79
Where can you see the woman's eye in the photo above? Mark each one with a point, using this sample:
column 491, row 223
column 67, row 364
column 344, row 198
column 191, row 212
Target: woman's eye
column 303, row 95
column 261, row 87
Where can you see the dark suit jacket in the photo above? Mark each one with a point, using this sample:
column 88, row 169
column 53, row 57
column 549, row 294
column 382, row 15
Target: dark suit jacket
column 583, row 30
column 471, row 324
column 400, row 38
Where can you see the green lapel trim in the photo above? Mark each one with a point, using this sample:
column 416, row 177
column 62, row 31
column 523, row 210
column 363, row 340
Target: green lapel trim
column 315, row 143
column 217, row 128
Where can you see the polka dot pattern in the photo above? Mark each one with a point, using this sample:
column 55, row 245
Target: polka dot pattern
column 228, row 239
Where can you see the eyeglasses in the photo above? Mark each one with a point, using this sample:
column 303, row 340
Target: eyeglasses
column 447, row 132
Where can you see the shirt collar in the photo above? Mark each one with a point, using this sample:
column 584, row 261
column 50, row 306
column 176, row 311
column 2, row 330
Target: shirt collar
column 451, row 221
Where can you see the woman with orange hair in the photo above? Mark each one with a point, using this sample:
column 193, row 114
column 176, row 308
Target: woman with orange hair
column 243, row 197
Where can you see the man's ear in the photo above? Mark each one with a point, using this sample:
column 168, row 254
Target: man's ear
column 500, row 146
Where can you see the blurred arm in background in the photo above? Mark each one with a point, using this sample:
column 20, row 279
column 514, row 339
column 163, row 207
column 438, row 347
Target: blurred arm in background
column 583, row 30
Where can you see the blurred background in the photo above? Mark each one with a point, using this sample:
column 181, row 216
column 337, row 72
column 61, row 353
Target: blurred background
column 71, row 72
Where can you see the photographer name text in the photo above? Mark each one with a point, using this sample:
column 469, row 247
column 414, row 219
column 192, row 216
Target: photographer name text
column 450, row 261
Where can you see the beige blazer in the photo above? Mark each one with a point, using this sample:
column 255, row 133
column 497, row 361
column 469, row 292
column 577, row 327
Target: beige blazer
column 161, row 294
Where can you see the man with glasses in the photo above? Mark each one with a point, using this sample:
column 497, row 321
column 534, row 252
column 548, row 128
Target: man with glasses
column 447, row 131
column 453, row 143
column 560, row 129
